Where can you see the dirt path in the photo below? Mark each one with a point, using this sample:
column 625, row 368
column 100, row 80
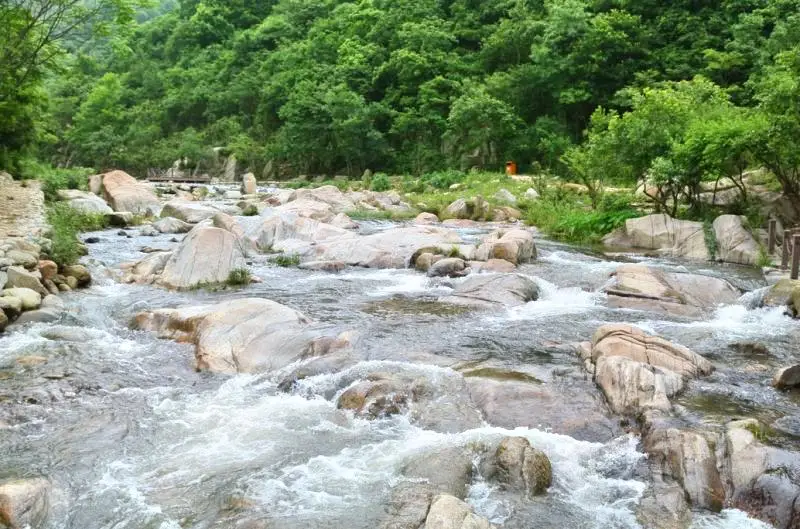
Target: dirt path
column 21, row 208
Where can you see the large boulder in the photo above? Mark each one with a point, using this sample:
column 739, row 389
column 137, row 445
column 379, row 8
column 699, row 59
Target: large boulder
column 637, row 371
column 24, row 503
column 504, row 196
column 124, row 193
column 426, row 218
column 762, row 480
column 647, row 288
column 249, row 184
column 735, row 243
column 515, row 246
column 448, row 512
column 672, row 237
column 494, row 290
column 474, row 209
column 85, row 202
column 242, row 336
column 190, row 212
column 171, row 225
column 448, row 267
column 18, row 277
column 787, row 377
column 784, row 293
column 337, row 201
column 29, row 299
column 206, row 255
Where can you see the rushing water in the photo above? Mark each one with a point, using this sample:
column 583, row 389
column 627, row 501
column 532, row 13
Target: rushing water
column 133, row 437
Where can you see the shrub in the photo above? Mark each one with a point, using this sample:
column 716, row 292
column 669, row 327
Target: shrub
column 570, row 220
column 54, row 179
column 66, row 223
column 444, row 179
column 239, row 277
column 286, row 261
column 380, row 182
column 250, row 210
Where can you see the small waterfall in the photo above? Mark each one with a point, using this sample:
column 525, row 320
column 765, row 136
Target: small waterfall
column 754, row 299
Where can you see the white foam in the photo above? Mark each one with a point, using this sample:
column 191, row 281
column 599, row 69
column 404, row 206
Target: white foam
column 397, row 281
column 734, row 321
column 727, row 519
column 554, row 300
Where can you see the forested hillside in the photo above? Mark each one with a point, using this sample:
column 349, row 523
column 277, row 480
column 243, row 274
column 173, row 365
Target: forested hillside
column 410, row 86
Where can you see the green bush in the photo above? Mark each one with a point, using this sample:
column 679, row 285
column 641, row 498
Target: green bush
column 380, row 182
column 55, row 179
column 66, row 223
column 239, row 277
column 250, row 210
column 444, row 179
column 286, row 261
column 570, row 220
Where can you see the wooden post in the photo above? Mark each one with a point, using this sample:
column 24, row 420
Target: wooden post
column 773, row 227
column 795, row 256
column 785, row 249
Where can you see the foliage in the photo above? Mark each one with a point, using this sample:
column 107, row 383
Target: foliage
column 251, row 210
column 55, row 179
column 239, row 277
column 286, row 261
column 66, row 223
column 444, row 179
column 380, row 182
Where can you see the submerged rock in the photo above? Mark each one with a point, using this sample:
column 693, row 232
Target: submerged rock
column 242, row 336
column 519, row 466
column 448, row 512
column 494, row 290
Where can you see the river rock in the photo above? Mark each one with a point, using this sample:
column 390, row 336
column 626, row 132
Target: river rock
column 25, row 259
column 39, row 316
column 242, row 336
column 676, row 238
column 29, row 299
column 24, row 503
column 448, row 512
column 79, row 272
column 647, row 288
column 148, row 231
column 85, row 202
column 337, row 201
column 3, row 321
column 448, row 267
column 637, row 371
column 506, row 214
column 206, row 255
column 11, row 306
column 124, row 193
column 172, row 225
column 189, row 212
column 438, row 403
column 147, row 270
column 498, row 266
column 788, row 377
column 519, row 466
column 18, row 277
column 494, row 290
column 735, row 243
column 505, row 196
column 48, row 269
column 445, row 470
column 425, row 261
column 426, row 218
column 323, row 266
column 785, row 292
column 343, row 221
column 514, row 246
column 462, row 209
column 763, row 481
column 688, row 459
column 249, row 184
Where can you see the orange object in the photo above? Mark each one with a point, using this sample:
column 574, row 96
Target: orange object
column 511, row 168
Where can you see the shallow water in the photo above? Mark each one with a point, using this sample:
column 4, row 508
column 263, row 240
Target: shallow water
column 133, row 437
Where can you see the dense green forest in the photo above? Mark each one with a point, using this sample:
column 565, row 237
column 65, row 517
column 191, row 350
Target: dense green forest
column 609, row 90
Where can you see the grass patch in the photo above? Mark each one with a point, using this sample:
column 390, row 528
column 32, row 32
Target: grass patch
column 55, row 179
column 569, row 219
column 764, row 259
column 239, row 277
column 286, row 260
column 66, row 223
column 710, row 238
